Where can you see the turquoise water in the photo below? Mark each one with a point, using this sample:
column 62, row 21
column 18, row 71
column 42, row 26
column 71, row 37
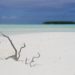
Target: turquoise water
column 37, row 28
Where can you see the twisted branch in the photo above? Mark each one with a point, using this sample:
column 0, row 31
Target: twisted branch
column 10, row 42
column 15, row 57
column 33, row 59
column 20, row 51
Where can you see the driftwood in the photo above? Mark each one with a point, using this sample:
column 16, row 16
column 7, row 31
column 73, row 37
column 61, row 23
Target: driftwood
column 16, row 56
column 32, row 60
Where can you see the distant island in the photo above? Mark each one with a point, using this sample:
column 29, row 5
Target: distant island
column 59, row 22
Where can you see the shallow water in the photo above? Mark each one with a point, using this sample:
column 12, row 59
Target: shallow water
column 25, row 28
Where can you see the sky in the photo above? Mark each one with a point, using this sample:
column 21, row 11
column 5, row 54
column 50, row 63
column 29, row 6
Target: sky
column 36, row 11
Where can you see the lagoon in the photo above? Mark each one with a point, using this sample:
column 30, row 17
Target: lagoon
column 36, row 28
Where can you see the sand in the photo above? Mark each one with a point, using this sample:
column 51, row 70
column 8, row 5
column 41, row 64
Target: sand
column 57, row 50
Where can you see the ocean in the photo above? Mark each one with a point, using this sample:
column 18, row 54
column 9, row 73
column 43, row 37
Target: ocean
column 27, row 28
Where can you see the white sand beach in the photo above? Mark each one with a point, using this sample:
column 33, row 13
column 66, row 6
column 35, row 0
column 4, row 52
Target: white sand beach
column 57, row 53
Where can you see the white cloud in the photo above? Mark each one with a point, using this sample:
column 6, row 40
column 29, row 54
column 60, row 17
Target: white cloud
column 8, row 17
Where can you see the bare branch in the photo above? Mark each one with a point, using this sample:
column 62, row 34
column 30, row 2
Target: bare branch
column 15, row 57
column 33, row 59
column 26, row 61
column 20, row 50
column 10, row 42
column 12, row 56
column 9, row 57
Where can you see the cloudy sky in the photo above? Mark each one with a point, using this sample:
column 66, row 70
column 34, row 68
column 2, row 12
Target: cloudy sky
column 36, row 11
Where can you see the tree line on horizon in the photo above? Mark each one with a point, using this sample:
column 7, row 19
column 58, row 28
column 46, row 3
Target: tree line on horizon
column 59, row 22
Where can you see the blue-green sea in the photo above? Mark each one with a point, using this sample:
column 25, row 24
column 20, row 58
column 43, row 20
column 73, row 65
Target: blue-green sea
column 22, row 28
